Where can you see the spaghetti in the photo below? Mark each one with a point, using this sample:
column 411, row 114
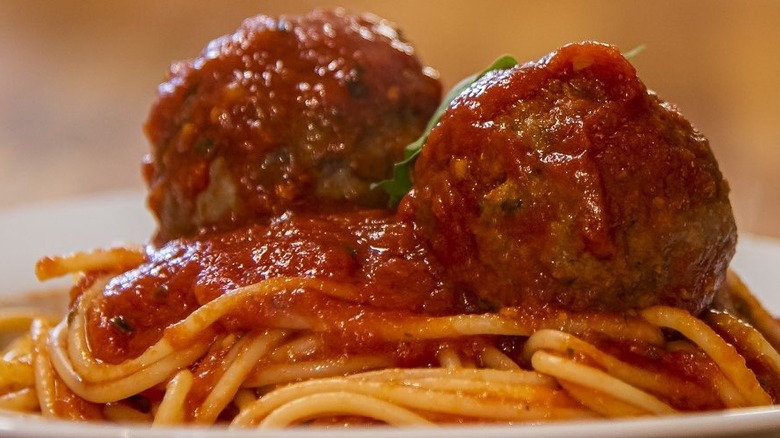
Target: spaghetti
column 561, row 251
column 571, row 365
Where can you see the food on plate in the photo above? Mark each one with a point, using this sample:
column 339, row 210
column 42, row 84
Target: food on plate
column 562, row 254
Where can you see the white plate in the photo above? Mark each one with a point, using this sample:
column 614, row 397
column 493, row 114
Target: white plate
column 58, row 228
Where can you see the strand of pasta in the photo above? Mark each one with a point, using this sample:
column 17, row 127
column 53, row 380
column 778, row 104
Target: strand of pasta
column 600, row 402
column 759, row 317
column 212, row 311
column 492, row 357
column 244, row 398
column 119, row 259
column 251, row 348
column 44, row 372
column 123, row 387
column 341, row 403
column 725, row 356
column 122, row 413
column 20, row 347
column 22, row 400
column 616, row 326
column 222, row 353
column 273, row 374
column 565, row 343
column 589, row 377
column 728, row 393
column 298, row 348
column 749, row 340
column 423, row 328
column 171, row 410
column 222, row 343
column 540, row 394
column 497, row 377
column 20, row 318
column 448, row 357
column 15, row 375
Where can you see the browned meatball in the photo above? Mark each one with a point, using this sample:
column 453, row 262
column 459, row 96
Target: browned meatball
column 286, row 114
column 565, row 182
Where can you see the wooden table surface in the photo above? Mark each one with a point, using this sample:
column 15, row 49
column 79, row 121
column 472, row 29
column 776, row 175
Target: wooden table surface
column 77, row 78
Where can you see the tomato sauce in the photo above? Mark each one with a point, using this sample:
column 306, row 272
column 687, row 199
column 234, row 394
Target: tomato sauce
column 372, row 251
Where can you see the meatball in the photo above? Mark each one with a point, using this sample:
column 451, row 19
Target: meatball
column 286, row 114
column 566, row 183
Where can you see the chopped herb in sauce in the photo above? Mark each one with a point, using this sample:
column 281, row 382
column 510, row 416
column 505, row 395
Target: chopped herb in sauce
column 355, row 83
column 121, row 324
column 204, row 147
column 161, row 292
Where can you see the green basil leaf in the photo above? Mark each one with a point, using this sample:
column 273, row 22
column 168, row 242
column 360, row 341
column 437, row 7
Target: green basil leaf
column 400, row 183
column 635, row 51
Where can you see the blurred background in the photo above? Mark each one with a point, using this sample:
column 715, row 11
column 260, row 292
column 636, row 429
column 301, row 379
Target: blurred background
column 77, row 77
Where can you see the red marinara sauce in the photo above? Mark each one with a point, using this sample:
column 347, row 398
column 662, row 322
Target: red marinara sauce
column 372, row 251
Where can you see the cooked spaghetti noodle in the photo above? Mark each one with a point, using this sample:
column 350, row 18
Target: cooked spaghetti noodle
column 571, row 365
